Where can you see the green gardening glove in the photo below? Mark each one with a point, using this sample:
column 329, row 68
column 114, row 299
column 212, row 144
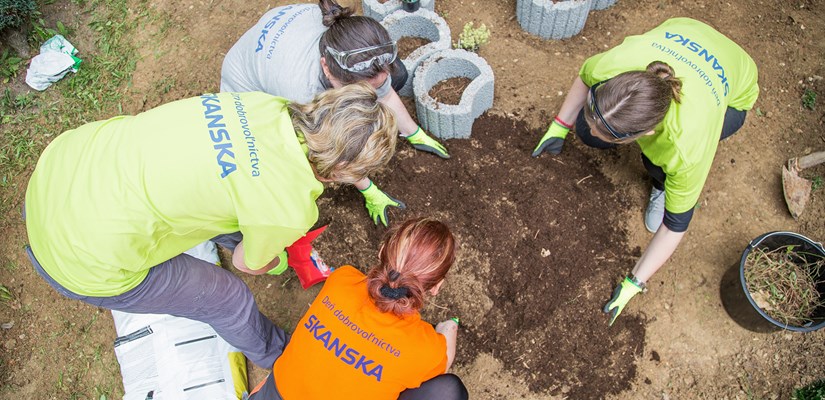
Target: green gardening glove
column 282, row 265
column 377, row 203
column 621, row 295
column 421, row 141
column 553, row 140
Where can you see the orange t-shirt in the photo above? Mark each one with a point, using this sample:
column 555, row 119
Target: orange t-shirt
column 345, row 348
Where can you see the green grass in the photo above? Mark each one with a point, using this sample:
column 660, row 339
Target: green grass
column 809, row 99
column 814, row 391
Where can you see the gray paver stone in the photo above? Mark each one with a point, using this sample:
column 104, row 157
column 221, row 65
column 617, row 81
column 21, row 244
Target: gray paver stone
column 448, row 121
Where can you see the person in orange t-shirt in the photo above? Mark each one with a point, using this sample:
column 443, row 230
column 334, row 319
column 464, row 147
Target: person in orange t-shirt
column 363, row 337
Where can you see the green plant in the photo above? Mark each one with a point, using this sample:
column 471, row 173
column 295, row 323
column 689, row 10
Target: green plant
column 5, row 294
column 472, row 38
column 9, row 65
column 814, row 391
column 783, row 283
column 816, row 184
column 809, row 99
column 14, row 13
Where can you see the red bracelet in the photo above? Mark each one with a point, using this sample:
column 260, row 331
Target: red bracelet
column 562, row 123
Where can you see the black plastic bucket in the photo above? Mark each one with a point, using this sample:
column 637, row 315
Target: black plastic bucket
column 411, row 5
column 775, row 240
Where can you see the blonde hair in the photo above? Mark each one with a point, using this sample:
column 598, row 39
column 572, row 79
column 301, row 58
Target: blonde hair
column 350, row 135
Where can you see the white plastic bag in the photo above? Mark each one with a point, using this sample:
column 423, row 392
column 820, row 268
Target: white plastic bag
column 165, row 357
column 56, row 59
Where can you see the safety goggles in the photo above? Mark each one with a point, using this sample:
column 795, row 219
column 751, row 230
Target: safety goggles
column 594, row 109
column 357, row 61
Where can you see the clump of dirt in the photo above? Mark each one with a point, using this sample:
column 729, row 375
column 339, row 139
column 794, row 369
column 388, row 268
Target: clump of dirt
column 449, row 91
column 534, row 265
column 408, row 44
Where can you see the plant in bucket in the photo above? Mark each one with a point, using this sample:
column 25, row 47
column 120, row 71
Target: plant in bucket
column 783, row 275
column 411, row 5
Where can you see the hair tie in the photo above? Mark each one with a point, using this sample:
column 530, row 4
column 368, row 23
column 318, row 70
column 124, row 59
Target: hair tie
column 394, row 275
column 394, row 293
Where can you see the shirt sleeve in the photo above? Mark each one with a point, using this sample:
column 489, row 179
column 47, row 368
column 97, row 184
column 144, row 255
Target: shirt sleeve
column 441, row 366
column 263, row 243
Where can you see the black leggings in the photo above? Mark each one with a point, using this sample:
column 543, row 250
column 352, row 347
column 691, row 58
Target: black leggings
column 442, row 387
column 734, row 119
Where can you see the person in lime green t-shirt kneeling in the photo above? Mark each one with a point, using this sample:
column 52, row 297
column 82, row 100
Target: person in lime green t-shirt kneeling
column 112, row 205
column 676, row 90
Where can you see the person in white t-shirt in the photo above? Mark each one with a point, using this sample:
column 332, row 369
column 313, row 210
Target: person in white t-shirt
column 299, row 50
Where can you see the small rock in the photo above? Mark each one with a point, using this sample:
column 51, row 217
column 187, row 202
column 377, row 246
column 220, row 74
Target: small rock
column 768, row 114
column 10, row 344
column 565, row 389
column 7, row 325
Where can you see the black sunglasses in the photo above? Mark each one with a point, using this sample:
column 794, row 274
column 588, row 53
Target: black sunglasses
column 594, row 108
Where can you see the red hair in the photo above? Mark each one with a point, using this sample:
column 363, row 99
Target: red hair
column 414, row 257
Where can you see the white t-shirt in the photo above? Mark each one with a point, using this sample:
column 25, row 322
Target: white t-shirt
column 280, row 56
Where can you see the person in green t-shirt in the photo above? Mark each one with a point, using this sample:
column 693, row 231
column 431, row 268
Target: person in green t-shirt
column 298, row 50
column 112, row 205
column 676, row 90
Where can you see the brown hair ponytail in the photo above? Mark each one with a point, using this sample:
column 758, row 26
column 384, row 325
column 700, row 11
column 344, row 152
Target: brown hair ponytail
column 666, row 73
column 333, row 11
column 414, row 258
column 635, row 101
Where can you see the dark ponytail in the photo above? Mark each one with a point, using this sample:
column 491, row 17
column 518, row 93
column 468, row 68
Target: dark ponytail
column 666, row 73
column 350, row 32
column 414, row 257
column 333, row 11
column 635, row 101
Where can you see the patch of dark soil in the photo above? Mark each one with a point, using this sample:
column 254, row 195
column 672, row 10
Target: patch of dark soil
column 449, row 91
column 408, row 44
column 539, row 245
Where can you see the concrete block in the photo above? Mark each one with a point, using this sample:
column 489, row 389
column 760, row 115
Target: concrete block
column 550, row 20
column 424, row 24
column 602, row 4
column 447, row 121
column 378, row 10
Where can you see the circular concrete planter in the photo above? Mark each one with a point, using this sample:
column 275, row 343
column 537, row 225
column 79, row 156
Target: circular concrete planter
column 602, row 4
column 424, row 24
column 550, row 20
column 447, row 121
column 376, row 10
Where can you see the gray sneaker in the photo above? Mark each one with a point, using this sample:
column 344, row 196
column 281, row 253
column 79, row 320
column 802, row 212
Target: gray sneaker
column 655, row 212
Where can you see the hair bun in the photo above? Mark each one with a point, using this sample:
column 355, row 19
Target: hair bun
column 666, row 73
column 332, row 11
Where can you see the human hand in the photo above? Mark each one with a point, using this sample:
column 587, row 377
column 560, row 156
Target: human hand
column 621, row 295
column 421, row 141
column 377, row 202
column 553, row 139
column 449, row 326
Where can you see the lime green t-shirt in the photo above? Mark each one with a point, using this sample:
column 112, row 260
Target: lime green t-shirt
column 715, row 72
column 111, row 199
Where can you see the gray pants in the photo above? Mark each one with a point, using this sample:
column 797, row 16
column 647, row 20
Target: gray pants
column 191, row 288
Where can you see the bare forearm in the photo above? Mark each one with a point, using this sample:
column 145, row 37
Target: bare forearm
column 363, row 184
column 450, row 331
column 240, row 264
column 659, row 250
column 574, row 101
column 406, row 125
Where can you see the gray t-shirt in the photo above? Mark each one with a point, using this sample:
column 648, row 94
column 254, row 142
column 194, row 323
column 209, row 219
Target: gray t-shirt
column 280, row 56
